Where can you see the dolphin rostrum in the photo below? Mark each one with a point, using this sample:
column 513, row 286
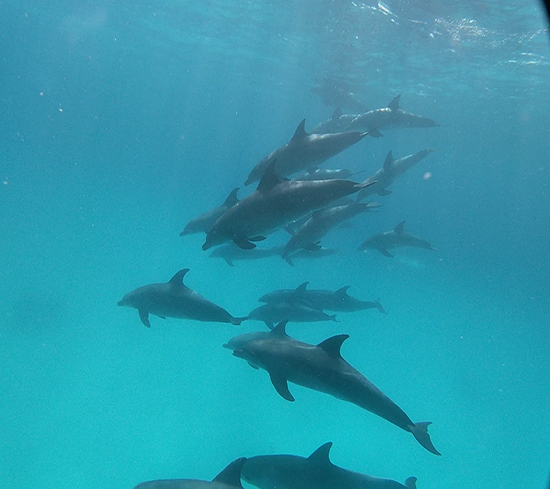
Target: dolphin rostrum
column 173, row 299
column 313, row 472
column 392, row 169
column 306, row 150
column 203, row 223
column 275, row 203
column 228, row 478
column 394, row 239
column 322, row 368
column 389, row 117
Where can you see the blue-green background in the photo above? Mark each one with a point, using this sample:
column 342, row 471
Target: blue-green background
column 120, row 121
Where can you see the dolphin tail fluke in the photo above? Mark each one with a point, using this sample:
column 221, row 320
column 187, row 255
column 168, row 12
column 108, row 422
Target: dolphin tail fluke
column 238, row 321
column 334, row 318
column 378, row 306
column 420, row 432
column 410, row 483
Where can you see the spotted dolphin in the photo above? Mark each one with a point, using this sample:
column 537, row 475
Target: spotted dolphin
column 322, row 368
column 275, row 203
column 313, row 472
column 394, row 239
column 306, row 150
column 228, row 478
column 173, row 299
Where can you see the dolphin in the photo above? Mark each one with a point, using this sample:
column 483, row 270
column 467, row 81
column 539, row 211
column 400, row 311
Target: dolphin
column 306, row 150
column 304, row 254
column 204, row 222
column 228, row 478
column 322, row 368
column 291, row 311
column 389, row 117
column 173, row 299
column 309, row 234
column 274, row 204
column 315, row 173
column 322, row 299
column 338, row 122
column 231, row 252
column 392, row 169
column 394, row 239
column 313, row 472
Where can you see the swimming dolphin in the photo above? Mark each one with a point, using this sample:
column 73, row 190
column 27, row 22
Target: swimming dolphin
column 231, row 252
column 325, row 300
column 322, row 368
column 309, row 234
column 203, row 223
column 315, row 173
column 304, row 254
column 306, row 150
column 313, row 472
column 394, row 239
column 173, row 299
column 392, row 169
column 274, row 204
column 291, row 311
column 338, row 122
column 228, row 478
column 389, row 117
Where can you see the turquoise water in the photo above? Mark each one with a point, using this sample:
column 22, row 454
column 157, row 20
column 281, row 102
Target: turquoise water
column 122, row 121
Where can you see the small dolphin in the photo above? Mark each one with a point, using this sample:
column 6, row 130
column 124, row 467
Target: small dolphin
column 338, row 122
column 315, row 173
column 394, row 239
column 392, row 169
column 274, row 204
column 325, row 300
column 204, row 222
column 306, row 150
column 313, row 472
column 322, row 368
column 309, row 234
column 231, row 252
column 173, row 299
column 291, row 311
column 389, row 117
column 228, row 478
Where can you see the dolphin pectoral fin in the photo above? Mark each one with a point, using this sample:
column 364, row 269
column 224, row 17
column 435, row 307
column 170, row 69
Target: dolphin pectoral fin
column 144, row 316
column 385, row 252
column 374, row 133
column 243, row 243
column 383, row 192
column 229, row 262
column 257, row 238
column 255, row 367
column 162, row 317
column 420, row 432
column 281, row 386
column 313, row 246
column 410, row 483
column 289, row 261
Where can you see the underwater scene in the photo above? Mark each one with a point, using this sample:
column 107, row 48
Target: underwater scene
column 274, row 244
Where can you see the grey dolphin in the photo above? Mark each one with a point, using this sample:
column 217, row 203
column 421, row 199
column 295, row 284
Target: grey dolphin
column 231, row 252
column 322, row 368
column 306, row 150
column 315, row 173
column 203, row 223
column 394, row 239
column 309, row 234
column 173, row 299
column 389, row 117
column 228, row 478
column 274, row 204
column 325, row 300
column 304, row 254
column 291, row 311
column 392, row 169
column 313, row 472
column 338, row 122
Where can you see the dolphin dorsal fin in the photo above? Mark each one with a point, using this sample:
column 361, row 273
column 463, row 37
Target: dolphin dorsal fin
column 333, row 344
column 342, row 292
column 399, row 228
column 231, row 475
column 232, row 198
column 280, row 329
column 394, row 104
column 388, row 163
column 300, row 132
column 301, row 288
column 336, row 114
column 269, row 178
column 177, row 279
column 321, row 456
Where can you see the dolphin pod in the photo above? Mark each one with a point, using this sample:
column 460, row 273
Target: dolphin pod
column 322, row 368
